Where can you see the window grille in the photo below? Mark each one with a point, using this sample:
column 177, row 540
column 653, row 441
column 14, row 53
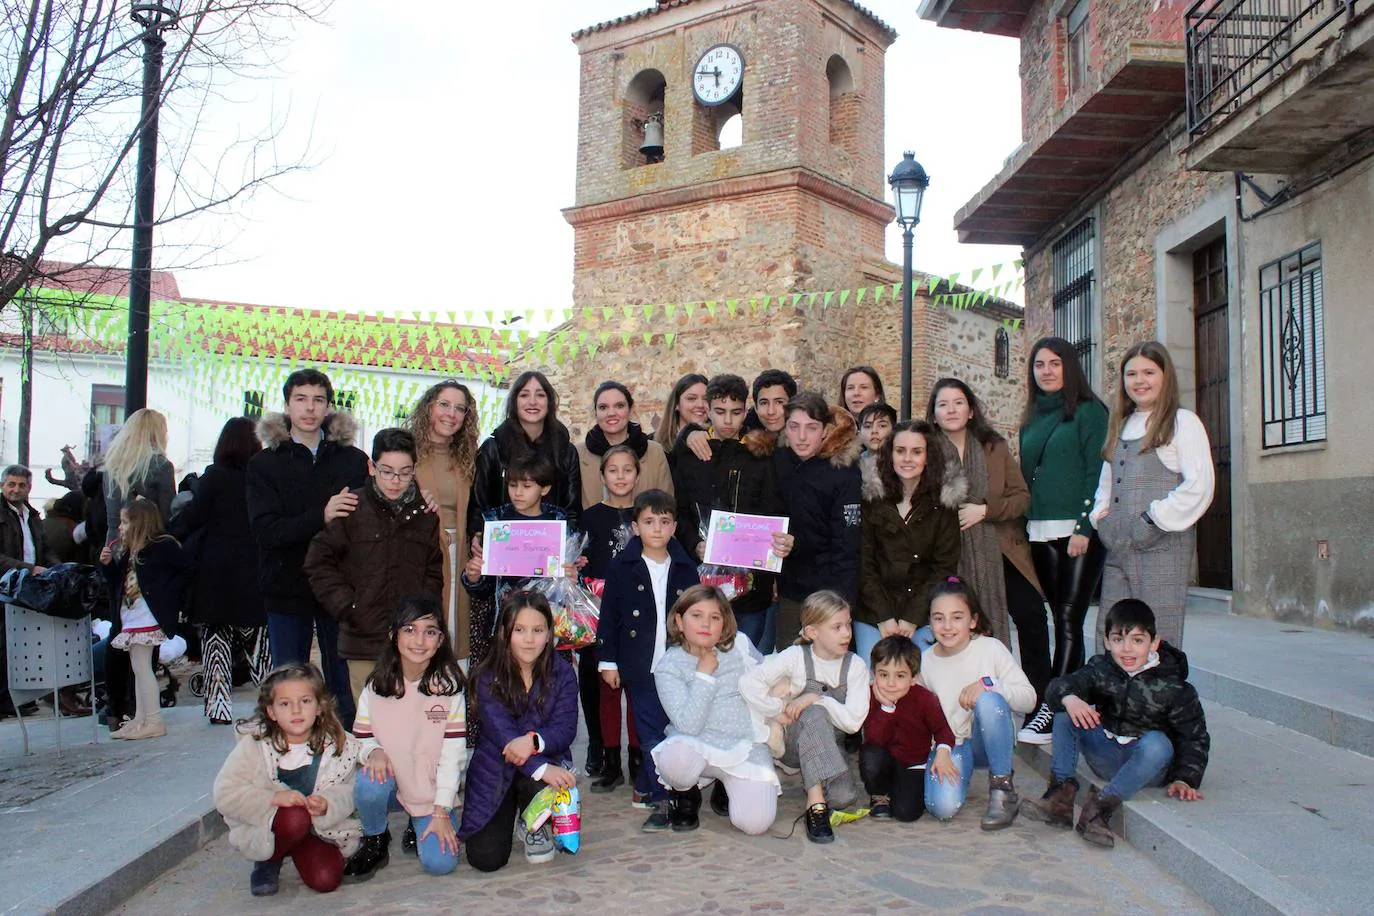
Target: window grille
column 1293, row 349
column 1073, row 291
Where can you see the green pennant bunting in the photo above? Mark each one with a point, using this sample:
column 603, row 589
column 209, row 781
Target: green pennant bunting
column 690, row 308
column 648, row 310
column 844, row 296
column 896, row 290
column 647, row 336
column 625, row 338
column 711, row 308
column 796, row 299
column 732, row 306
column 669, row 338
column 670, row 309
column 825, row 303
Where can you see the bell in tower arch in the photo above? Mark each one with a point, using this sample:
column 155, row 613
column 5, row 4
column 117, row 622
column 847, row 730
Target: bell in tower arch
column 652, row 147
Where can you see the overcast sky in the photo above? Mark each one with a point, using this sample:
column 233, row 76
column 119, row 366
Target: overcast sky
column 445, row 135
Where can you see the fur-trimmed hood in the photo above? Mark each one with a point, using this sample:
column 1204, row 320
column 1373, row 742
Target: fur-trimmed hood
column 953, row 492
column 339, row 427
column 841, row 444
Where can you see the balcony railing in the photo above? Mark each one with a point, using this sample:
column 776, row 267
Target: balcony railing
column 1236, row 48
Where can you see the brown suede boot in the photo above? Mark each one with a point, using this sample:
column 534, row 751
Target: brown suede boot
column 1094, row 821
column 1055, row 807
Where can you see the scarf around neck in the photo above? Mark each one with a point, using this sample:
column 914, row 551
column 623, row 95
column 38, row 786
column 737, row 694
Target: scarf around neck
column 598, row 445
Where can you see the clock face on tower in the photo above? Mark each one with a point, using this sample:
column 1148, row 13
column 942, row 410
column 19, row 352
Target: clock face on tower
column 718, row 75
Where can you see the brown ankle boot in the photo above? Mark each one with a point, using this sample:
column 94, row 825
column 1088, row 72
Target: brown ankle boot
column 1055, row 807
column 1094, row 821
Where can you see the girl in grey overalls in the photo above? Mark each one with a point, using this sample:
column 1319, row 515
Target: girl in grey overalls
column 1157, row 481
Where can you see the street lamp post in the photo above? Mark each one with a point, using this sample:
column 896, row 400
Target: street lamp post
column 155, row 18
column 909, row 182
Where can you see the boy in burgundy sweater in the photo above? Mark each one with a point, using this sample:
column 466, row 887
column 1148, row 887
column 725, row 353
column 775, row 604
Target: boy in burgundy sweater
column 904, row 721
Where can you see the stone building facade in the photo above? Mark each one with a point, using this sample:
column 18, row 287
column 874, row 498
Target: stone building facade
column 1202, row 175
column 797, row 207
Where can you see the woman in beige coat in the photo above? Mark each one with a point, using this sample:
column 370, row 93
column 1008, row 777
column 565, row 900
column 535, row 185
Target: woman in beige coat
column 614, row 405
column 445, row 425
column 995, row 555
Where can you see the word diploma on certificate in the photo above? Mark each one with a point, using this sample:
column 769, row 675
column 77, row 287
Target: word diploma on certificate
column 744, row 541
column 532, row 549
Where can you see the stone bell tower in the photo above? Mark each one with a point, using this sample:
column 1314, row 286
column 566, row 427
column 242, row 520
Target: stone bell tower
column 729, row 150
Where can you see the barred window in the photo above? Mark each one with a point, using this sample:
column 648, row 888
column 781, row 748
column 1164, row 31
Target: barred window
column 1073, row 291
column 1293, row 349
column 253, row 404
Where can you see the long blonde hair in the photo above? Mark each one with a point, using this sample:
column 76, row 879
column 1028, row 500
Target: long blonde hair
column 1159, row 429
column 817, row 609
column 142, row 439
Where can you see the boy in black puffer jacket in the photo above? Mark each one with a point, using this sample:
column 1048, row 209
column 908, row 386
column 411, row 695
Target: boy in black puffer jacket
column 1134, row 716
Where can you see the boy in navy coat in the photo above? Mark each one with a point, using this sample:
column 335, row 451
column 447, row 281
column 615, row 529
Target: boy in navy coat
column 643, row 583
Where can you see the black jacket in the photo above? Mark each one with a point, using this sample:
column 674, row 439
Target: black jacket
column 158, row 486
column 822, row 496
column 287, row 491
column 227, row 590
column 1158, row 699
column 495, row 453
column 739, row 478
column 12, row 540
column 162, row 578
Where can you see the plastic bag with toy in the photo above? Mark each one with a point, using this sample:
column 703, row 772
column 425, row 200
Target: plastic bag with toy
column 564, row 807
column 731, row 580
column 576, row 611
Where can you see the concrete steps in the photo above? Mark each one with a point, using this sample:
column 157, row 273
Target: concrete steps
column 1287, row 823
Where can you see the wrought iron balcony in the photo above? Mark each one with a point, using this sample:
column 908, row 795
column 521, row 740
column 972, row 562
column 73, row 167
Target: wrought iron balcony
column 1276, row 86
column 1237, row 48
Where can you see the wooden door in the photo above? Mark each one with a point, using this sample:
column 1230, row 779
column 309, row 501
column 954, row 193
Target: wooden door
column 1211, row 317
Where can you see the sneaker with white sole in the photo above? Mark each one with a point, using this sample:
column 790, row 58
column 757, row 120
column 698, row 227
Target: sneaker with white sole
column 539, row 845
column 1040, row 728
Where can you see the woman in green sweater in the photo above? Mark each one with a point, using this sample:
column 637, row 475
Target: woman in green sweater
column 1062, row 432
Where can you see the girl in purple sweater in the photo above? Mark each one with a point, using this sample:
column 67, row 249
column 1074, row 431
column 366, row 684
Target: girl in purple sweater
column 526, row 698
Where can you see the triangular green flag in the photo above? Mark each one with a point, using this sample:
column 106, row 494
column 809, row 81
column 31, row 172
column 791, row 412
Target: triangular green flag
column 711, row 308
column 973, row 277
column 607, row 312
column 844, row 296
column 592, row 351
column 648, row 310
column 669, row 338
column 670, row 309
column 690, row 308
column 628, row 311
column 896, row 290
column 624, row 338
column 810, row 300
column 648, row 336
column 934, row 283
column 766, row 303
column 997, row 269
column 859, row 296
column 732, row 306
column 825, row 303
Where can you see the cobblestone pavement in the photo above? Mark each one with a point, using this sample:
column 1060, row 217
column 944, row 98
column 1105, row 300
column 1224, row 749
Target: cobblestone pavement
column 872, row 867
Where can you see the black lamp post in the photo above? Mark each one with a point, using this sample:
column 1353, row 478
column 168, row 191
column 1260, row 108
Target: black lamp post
column 909, row 182
column 155, row 18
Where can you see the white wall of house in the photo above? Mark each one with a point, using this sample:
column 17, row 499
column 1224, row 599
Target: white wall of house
column 196, row 399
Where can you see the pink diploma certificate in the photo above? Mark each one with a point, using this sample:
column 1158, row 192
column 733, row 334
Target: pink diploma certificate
column 523, row 548
column 745, row 541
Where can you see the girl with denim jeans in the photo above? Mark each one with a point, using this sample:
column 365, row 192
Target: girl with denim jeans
column 412, row 721
column 979, row 686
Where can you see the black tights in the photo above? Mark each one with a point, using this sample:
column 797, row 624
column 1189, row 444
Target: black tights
column 1026, row 606
column 1069, row 583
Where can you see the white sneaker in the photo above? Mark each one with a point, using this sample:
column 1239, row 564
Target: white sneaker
column 1040, row 729
column 539, row 845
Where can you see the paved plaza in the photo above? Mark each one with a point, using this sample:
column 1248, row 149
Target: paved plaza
column 872, row 867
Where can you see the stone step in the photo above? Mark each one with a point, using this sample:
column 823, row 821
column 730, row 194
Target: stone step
column 1317, row 682
column 1286, row 825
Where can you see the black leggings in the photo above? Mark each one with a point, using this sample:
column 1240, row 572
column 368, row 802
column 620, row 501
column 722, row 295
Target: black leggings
column 589, row 686
column 1026, row 606
column 1069, row 584
column 489, row 848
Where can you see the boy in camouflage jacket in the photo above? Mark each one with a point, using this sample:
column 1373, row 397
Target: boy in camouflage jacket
column 1136, row 719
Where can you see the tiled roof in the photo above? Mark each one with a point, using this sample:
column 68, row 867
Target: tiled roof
column 662, row 5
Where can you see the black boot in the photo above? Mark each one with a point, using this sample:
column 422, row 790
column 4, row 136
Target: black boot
column 636, row 761
column 685, row 808
column 596, row 759
column 611, row 774
column 409, row 844
column 374, row 853
column 818, row 829
column 720, row 799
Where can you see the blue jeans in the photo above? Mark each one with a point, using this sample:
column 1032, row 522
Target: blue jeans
column 650, row 722
column 289, row 638
column 990, row 745
column 375, row 800
column 754, row 625
column 769, row 645
column 866, row 637
column 1127, row 768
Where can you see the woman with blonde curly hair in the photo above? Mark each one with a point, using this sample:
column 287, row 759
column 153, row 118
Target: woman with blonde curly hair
column 137, row 466
column 445, row 426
